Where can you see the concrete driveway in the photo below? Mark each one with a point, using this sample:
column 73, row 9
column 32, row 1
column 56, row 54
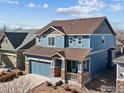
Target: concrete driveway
column 22, row 84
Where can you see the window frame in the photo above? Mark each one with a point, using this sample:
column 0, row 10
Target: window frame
column 70, row 37
column 80, row 40
column 103, row 40
column 50, row 45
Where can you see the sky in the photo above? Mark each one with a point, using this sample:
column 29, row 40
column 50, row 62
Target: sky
column 38, row 13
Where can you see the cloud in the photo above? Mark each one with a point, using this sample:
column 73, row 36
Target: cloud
column 88, row 8
column 45, row 5
column 116, row 7
column 84, row 8
column 10, row 1
column 31, row 5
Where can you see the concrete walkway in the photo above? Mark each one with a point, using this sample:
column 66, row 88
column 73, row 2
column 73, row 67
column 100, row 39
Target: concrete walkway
column 22, row 84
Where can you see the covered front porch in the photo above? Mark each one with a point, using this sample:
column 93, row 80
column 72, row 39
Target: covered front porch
column 71, row 70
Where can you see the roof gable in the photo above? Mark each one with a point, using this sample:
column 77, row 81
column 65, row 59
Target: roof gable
column 16, row 39
column 104, row 28
column 55, row 28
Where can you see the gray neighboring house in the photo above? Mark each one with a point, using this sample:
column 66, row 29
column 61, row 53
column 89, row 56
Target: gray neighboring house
column 13, row 44
column 119, row 74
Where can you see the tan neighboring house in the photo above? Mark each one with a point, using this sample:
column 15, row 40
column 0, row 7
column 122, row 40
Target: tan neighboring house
column 119, row 47
column 12, row 46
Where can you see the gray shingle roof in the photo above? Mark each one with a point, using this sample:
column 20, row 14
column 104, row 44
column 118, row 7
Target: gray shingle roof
column 76, row 26
column 20, row 38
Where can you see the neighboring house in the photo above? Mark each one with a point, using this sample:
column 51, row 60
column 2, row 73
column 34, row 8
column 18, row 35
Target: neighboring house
column 119, row 74
column 119, row 47
column 12, row 46
column 74, row 50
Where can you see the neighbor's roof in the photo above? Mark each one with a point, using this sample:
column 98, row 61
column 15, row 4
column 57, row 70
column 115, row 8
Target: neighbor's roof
column 20, row 38
column 119, row 59
column 76, row 26
column 67, row 53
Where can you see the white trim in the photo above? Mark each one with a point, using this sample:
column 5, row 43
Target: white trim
column 120, row 79
column 98, row 51
column 59, row 55
column 48, row 40
column 49, row 28
column 117, row 72
column 57, row 30
column 9, row 54
column 42, row 60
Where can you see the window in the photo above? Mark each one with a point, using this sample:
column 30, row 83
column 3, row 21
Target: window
column 86, row 65
column 103, row 39
column 72, row 66
column 70, row 40
column 51, row 41
column 39, row 39
column 79, row 40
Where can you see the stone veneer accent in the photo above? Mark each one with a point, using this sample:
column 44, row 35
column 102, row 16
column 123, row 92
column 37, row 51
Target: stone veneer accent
column 63, row 74
column 27, row 67
column 119, row 86
column 79, row 79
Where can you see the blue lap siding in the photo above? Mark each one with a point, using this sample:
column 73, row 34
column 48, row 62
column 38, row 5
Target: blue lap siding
column 99, row 63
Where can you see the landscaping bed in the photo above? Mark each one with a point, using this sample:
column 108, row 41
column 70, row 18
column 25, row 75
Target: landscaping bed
column 65, row 88
column 9, row 75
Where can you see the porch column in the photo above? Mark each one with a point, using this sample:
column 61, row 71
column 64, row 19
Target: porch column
column 80, row 71
column 63, row 74
column 53, row 67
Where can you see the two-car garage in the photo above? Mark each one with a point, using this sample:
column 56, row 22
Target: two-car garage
column 40, row 68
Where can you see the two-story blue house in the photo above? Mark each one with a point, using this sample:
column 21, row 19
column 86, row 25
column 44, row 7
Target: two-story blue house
column 74, row 50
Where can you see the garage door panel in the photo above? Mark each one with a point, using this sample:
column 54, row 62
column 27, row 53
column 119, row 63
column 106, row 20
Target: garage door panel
column 41, row 68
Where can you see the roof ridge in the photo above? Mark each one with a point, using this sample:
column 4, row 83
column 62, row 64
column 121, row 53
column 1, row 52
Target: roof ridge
column 79, row 19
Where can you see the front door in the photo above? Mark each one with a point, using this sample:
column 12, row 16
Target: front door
column 58, row 63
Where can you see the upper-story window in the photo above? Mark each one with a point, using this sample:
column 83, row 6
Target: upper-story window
column 51, row 41
column 79, row 40
column 39, row 39
column 70, row 40
column 103, row 40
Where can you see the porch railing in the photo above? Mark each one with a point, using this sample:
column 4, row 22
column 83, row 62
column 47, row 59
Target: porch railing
column 75, row 76
column 72, row 76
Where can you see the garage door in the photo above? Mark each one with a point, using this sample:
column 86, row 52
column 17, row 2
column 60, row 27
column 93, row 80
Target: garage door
column 41, row 68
